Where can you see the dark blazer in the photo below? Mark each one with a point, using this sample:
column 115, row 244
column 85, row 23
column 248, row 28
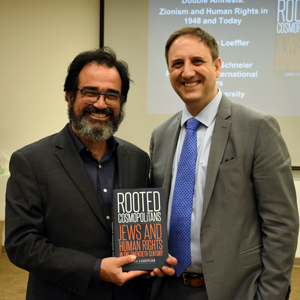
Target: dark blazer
column 250, row 223
column 55, row 227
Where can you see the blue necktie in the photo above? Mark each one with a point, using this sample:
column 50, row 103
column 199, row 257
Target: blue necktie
column 180, row 222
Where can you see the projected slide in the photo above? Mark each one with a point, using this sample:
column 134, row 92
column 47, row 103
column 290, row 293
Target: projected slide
column 259, row 43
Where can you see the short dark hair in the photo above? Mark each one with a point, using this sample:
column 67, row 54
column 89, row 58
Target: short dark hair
column 203, row 36
column 104, row 56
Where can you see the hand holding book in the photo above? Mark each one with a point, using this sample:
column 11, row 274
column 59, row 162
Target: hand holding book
column 171, row 261
column 111, row 270
column 140, row 228
column 139, row 237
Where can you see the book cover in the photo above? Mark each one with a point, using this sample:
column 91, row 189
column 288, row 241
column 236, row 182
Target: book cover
column 140, row 227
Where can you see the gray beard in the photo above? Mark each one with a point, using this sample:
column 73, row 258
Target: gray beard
column 86, row 129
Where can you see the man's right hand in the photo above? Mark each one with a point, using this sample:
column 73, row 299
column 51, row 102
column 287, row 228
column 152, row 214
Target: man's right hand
column 111, row 270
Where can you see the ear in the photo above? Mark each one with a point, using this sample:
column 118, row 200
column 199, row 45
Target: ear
column 218, row 64
column 69, row 100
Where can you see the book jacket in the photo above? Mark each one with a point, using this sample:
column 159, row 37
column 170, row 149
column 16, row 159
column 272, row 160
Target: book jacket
column 140, row 227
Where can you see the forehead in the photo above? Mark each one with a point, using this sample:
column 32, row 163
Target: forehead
column 99, row 75
column 188, row 46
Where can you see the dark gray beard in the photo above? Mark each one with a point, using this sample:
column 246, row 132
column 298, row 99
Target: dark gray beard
column 86, row 129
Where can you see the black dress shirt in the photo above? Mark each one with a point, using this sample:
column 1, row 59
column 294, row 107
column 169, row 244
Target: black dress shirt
column 104, row 177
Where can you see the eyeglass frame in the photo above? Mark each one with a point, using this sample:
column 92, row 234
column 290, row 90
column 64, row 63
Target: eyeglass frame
column 122, row 98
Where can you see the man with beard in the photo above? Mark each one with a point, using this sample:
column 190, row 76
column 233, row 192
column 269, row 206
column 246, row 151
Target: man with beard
column 58, row 202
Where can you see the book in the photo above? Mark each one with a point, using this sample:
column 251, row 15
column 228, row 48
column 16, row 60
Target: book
column 140, row 227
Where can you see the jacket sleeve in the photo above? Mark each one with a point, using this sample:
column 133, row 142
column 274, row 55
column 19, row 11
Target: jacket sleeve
column 277, row 208
column 26, row 240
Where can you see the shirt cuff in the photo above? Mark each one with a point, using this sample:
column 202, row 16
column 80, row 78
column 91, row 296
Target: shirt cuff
column 95, row 279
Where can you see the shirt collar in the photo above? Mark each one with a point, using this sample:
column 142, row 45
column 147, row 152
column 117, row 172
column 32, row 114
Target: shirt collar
column 207, row 114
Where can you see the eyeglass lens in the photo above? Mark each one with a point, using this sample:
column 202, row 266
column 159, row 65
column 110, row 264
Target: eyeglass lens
column 91, row 97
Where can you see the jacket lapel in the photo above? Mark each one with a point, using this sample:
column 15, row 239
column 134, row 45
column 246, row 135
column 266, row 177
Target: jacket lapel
column 123, row 166
column 74, row 167
column 172, row 136
column 218, row 145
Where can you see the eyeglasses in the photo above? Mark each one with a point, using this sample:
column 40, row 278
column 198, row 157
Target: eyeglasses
column 91, row 97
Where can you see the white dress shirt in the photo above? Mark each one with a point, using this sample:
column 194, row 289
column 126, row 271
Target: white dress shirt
column 207, row 118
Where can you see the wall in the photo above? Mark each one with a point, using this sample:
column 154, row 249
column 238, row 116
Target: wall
column 38, row 41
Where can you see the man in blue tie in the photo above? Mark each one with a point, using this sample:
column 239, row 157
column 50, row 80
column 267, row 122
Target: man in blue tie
column 232, row 210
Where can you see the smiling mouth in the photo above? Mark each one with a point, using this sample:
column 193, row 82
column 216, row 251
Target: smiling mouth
column 99, row 115
column 191, row 84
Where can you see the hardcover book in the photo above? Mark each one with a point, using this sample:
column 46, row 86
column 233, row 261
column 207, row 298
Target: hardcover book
column 140, row 227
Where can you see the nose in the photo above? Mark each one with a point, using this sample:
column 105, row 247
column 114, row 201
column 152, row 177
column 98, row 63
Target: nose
column 100, row 104
column 188, row 71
